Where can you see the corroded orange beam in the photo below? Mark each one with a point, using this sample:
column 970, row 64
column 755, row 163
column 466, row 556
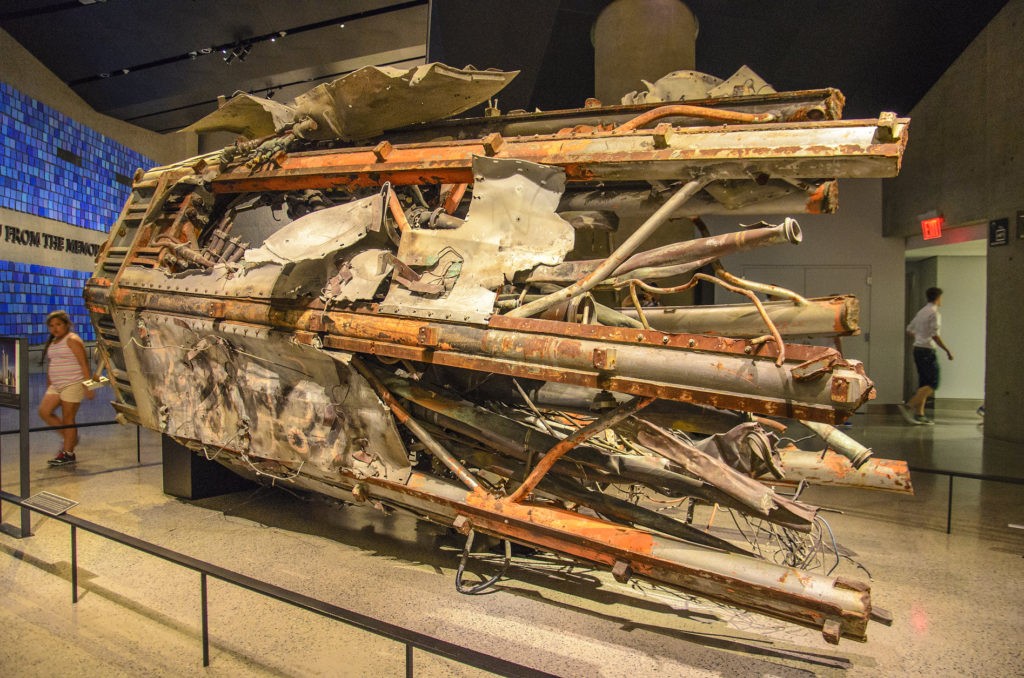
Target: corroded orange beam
column 850, row 148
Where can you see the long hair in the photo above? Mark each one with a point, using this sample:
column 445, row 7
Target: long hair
column 62, row 315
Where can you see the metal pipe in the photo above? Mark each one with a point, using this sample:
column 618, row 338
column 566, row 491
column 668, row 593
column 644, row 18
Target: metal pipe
column 832, row 468
column 840, row 442
column 823, row 316
column 581, row 436
column 716, row 114
column 619, row 255
column 424, row 436
column 694, row 252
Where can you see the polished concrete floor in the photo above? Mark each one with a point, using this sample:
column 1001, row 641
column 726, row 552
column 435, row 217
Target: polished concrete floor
column 956, row 598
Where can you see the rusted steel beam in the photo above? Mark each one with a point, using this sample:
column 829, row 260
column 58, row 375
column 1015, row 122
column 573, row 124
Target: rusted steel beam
column 822, row 316
column 438, row 450
column 716, row 371
column 839, row 607
column 797, row 106
column 831, row 468
column 794, row 150
column 822, row 199
column 581, row 436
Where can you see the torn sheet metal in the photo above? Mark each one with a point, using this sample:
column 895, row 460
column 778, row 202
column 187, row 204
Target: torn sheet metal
column 693, row 85
column 260, row 393
column 511, row 226
column 321, row 233
column 248, row 115
column 373, row 99
column 363, row 103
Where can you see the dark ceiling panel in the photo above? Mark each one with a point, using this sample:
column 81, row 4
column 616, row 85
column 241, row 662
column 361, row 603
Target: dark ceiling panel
column 884, row 55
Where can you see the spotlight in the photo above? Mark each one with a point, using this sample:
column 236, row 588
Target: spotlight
column 341, row 25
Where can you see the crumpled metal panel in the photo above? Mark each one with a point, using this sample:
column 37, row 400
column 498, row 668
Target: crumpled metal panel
column 247, row 115
column 363, row 103
column 511, row 226
column 257, row 391
column 373, row 99
column 320, row 233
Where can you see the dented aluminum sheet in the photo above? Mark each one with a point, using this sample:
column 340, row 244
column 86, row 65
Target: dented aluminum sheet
column 511, row 226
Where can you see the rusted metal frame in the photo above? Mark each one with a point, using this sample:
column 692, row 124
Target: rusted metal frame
column 641, row 203
column 632, row 156
column 417, row 429
column 620, row 255
column 801, row 105
column 144, row 230
column 781, row 347
column 430, row 336
column 453, row 197
column 605, row 504
column 397, row 212
column 799, row 596
column 690, row 111
column 603, row 422
column 490, row 351
column 517, row 441
column 836, row 605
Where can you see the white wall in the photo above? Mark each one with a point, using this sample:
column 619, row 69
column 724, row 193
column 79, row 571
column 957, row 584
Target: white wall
column 963, row 281
column 850, row 238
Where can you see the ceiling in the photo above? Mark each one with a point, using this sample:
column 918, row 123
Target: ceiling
column 161, row 64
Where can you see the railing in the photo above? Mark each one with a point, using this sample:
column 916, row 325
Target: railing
column 85, row 424
column 411, row 639
column 963, row 474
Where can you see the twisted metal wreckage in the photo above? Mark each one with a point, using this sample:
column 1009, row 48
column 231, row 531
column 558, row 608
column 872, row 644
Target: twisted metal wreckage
column 373, row 301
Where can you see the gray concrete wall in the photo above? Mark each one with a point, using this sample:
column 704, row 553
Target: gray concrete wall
column 27, row 74
column 966, row 158
column 834, row 244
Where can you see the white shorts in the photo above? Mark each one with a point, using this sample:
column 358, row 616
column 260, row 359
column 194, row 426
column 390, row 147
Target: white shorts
column 72, row 393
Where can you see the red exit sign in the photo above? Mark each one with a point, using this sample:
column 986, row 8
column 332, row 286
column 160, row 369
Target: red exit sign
column 932, row 228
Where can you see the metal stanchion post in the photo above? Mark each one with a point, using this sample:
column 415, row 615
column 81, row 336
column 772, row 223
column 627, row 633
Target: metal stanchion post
column 949, row 508
column 408, row 661
column 206, row 625
column 74, row 565
column 138, row 444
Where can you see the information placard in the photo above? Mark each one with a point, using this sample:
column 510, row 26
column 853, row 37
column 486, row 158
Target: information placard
column 10, row 377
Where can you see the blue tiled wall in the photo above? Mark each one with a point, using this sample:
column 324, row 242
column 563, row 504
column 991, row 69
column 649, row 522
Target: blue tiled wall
column 34, row 180
column 29, row 292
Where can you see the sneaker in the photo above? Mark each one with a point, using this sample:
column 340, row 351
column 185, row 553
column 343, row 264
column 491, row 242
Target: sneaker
column 919, row 419
column 907, row 415
column 63, row 459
